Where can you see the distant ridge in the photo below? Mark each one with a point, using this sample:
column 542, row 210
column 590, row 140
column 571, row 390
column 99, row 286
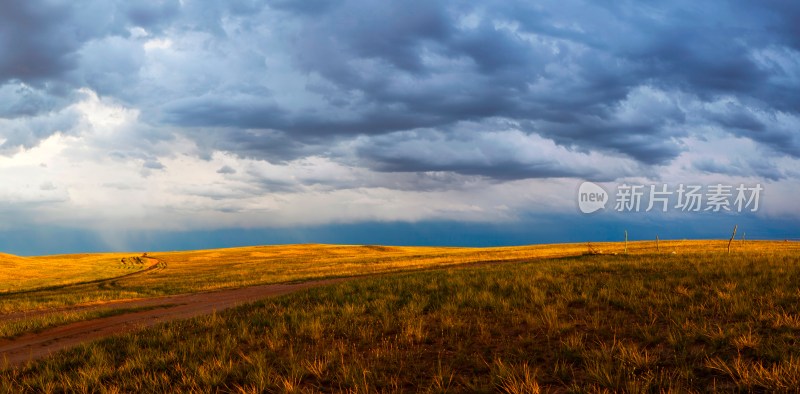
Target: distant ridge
column 10, row 258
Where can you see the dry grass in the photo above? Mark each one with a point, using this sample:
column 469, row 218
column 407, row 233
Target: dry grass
column 25, row 273
column 235, row 267
column 202, row 270
column 694, row 321
column 37, row 283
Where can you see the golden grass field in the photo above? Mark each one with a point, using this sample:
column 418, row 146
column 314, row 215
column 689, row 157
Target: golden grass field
column 24, row 273
column 687, row 316
column 54, row 282
column 203, row 270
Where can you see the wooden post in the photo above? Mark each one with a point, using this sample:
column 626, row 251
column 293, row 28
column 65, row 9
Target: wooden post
column 658, row 249
column 626, row 241
column 732, row 236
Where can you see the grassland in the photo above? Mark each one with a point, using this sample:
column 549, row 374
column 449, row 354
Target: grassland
column 26, row 273
column 687, row 318
column 58, row 282
column 64, row 279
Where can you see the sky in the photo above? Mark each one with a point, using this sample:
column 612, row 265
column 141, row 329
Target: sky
column 161, row 125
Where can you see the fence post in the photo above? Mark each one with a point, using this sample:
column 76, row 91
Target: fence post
column 626, row 241
column 658, row 249
column 732, row 236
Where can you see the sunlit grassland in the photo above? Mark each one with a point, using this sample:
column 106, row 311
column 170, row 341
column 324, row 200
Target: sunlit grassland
column 206, row 270
column 24, row 273
column 236, row 267
column 203, row 270
column 699, row 320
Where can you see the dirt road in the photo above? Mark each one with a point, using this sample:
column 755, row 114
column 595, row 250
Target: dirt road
column 32, row 346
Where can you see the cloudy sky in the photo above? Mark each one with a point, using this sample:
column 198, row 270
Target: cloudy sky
column 176, row 124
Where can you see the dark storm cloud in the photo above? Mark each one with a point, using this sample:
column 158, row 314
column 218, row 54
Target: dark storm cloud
column 776, row 129
column 263, row 144
column 589, row 76
column 151, row 14
column 737, row 167
column 47, row 54
column 647, row 143
column 703, row 50
column 226, row 170
column 153, row 164
column 21, row 100
column 39, row 40
column 110, row 65
column 29, row 49
column 29, row 131
column 501, row 170
column 391, row 32
column 782, row 17
column 211, row 111
column 502, row 154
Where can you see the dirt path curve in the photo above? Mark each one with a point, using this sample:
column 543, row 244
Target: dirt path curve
column 17, row 351
column 155, row 265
